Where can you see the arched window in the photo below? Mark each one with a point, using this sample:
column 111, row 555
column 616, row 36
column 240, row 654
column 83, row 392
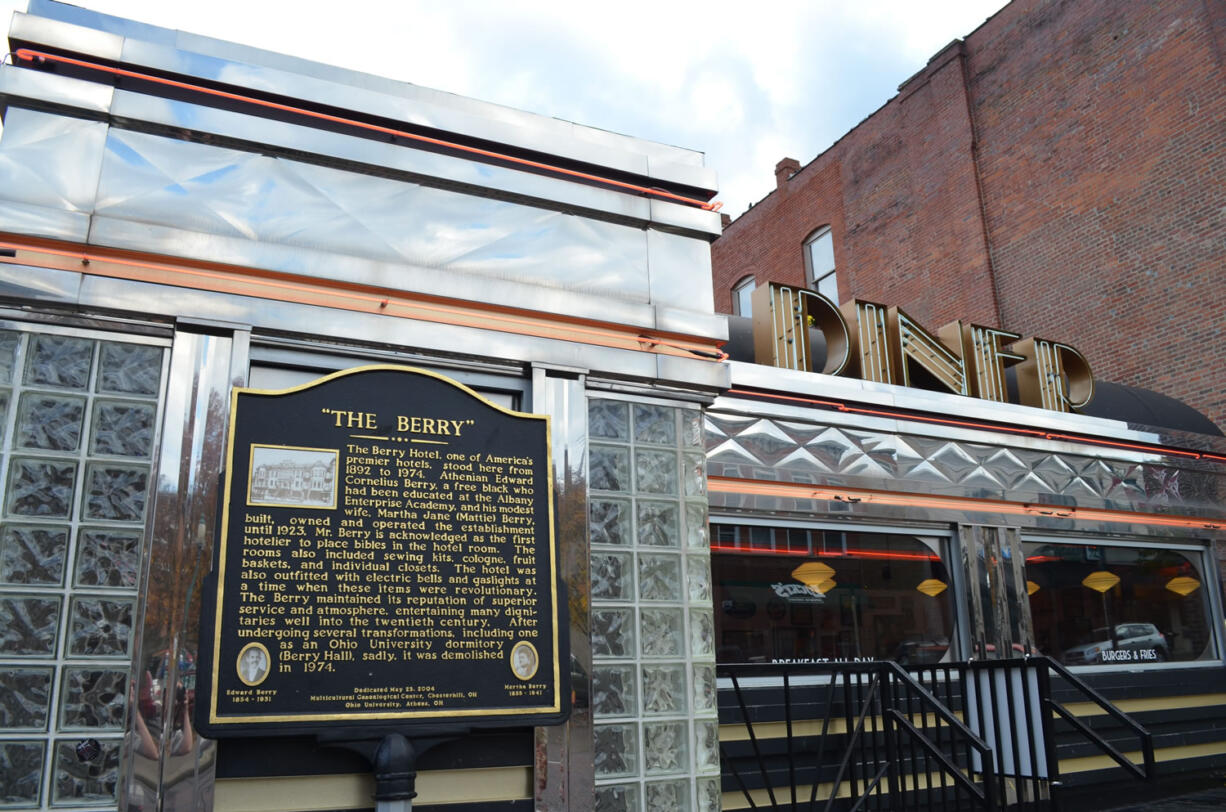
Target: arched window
column 741, row 296
column 819, row 264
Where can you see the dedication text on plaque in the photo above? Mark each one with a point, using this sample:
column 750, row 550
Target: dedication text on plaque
column 387, row 554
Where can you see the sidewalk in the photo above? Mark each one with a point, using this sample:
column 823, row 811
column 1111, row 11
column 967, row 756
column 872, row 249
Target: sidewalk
column 1206, row 800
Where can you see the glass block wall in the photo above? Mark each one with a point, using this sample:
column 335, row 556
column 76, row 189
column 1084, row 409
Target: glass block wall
column 653, row 639
column 79, row 418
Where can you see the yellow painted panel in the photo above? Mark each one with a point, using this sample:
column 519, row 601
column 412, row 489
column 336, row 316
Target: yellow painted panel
column 1088, row 763
column 1157, row 703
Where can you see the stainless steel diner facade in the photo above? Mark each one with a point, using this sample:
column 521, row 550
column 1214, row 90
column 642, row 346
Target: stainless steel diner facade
column 859, row 521
column 181, row 215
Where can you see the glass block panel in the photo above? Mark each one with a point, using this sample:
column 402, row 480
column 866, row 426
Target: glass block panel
column 25, row 695
column 691, row 429
column 664, row 689
column 609, row 419
column 50, row 422
column 659, row 577
column 710, row 797
column 93, row 698
column 617, row 798
column 655, row 471
column 702, row 633
column 616, row 750
column 28, row 625
column 655, row 424
column 609, row 468
column 706, row 690
column 32, row 555
column 21, row 772
column 8, row 355
column 609, row 521
column 667, row 794
column 660, row 632
column 5, row 396
column 698, row 579
column 706, row 746
column 613, row 632
column 612, row 576
column 115, row 492
column 123, row 429
column 77, row 781
column 657, row 523
column 100, row 627
column 613, row 690
column 694, row 472
column 665, row 749
column 130, row 368
column 107, row 558
column 696, row 533
column 41, row 487
column 59, row 361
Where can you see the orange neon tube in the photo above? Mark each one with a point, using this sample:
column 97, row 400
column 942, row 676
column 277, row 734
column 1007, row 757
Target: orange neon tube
column 235, row 282
column 30, row 55
column 855, row 496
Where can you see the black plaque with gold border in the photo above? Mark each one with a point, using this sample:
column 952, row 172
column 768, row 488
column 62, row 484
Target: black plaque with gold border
column 386, row 557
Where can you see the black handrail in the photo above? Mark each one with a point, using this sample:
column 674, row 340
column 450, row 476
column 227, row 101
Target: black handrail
column 1146, row 772
column 884, row 690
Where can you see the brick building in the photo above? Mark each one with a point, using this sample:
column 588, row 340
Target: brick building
column 1060, row 172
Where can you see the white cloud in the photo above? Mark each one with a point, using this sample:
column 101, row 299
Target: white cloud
column 746, row 83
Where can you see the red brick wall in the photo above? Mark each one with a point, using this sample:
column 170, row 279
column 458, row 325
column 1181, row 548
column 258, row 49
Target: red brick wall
column 1085, row 143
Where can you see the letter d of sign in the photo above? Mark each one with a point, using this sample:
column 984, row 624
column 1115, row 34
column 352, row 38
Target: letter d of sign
column 1053, row 376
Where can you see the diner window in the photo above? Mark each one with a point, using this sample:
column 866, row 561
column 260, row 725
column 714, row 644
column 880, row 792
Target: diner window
column 742, row 293
column 819, row 264
column 1118, row 604
column 791, row 594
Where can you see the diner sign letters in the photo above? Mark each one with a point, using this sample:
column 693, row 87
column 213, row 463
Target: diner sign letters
column 386, row 556
column 883, row 344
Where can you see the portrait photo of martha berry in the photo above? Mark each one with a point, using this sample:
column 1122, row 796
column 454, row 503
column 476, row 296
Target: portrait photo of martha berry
column 524, row 660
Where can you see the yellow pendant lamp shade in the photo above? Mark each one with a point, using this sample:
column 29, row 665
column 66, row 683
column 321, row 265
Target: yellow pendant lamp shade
column 932, row 587
column 1100, row 581
column 1183, row 585
column 812, row 574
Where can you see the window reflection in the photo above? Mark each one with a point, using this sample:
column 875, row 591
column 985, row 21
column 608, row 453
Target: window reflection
column 1117, row 605
column 800, row 595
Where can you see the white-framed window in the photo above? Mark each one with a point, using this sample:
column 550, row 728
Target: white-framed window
column 819, row 264
column 742, row 293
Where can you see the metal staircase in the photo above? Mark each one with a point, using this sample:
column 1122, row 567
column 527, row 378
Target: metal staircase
column 876, row 736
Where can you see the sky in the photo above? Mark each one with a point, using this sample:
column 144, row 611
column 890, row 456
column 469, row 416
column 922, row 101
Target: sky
column 747, row 82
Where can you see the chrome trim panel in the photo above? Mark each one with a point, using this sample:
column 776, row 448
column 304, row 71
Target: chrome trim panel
column 214, row 59
column 178, row 118
column 182, row 521
column 36, row 26
column 43, row 89
column 50, row 160
column 40, row 221
column 314, row 263
column 207, row 189
column 343, row 326
column 38, row 284
column 680, row 275
column 731, row 506
column 564, row 777
column 819, row 386
column 920, row 458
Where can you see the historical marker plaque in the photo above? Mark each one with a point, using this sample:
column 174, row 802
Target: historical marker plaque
column 386, row 556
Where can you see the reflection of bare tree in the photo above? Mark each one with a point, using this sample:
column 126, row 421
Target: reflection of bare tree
column 168, row 760
column 572, row 538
